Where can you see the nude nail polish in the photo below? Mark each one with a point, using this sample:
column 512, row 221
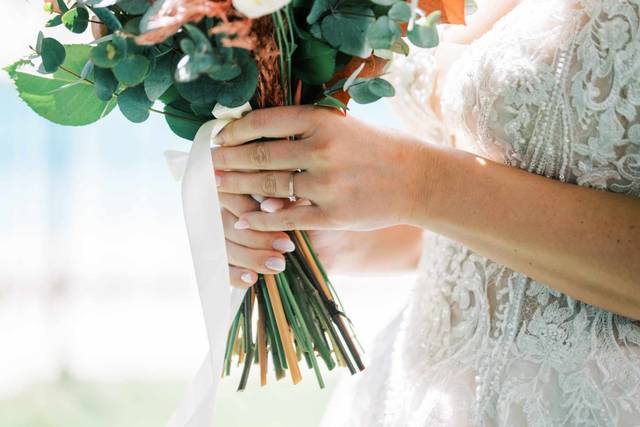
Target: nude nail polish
column 283, row 245
column 241, row 224
column 275, row 264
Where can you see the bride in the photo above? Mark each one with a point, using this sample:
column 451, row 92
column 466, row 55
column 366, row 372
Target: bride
column 520, row 190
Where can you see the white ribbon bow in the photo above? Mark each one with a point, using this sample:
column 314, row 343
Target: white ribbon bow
column 218, row 299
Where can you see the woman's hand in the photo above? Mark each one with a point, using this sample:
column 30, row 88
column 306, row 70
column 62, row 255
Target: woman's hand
column 250, row 252
column 356, row 176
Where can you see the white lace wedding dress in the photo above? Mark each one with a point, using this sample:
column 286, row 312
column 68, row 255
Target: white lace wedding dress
column 554, row 89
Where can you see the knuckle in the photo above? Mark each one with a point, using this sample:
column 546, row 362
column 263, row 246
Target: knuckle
column 258, row 119
column 269, row 184
column 259, row 154
column 287, row 223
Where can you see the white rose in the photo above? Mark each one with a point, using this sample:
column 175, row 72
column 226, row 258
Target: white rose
column 258, row 8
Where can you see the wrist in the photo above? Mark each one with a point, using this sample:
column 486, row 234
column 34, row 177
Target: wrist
column 435, row 182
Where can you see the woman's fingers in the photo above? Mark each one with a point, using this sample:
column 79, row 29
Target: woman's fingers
column 295, row 218
column 241, row 277
column 237, row 204
column 269, row 184
column 257, row 260
column 269, row 155
column 276, row 122
column 278, row 241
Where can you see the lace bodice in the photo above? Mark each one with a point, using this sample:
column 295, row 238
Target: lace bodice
column 553, row 88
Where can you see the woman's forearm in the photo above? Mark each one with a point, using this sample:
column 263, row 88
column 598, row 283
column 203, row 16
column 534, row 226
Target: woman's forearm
column 580, row 241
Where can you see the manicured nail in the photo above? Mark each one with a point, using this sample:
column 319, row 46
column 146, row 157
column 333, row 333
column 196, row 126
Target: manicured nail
column 283, row 245
column 271, row 205
column 241, row 224
column 247, row 278
column 275, row 264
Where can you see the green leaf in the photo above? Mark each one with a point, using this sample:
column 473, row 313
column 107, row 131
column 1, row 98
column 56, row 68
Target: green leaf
column 76, row 19
column 401, row 47
column 385, row 2
column 330, row 101
column 62, row 6
column 160, row 79
column 54, row 22
column 346, row 29
column 134, row 104
column 54, row 97
column 383, row 33
column 106, row 55
column 423, row 35
column 235, row 92
column 132, row 70
column 39, row 42
column 314, row 62
column 380, row 87
column 183, row 124
column 134, row 7
column 204, row 90
column 108, row 18
column 106, row 83
column 53, row 54
column 400, row 12
column 318, row 9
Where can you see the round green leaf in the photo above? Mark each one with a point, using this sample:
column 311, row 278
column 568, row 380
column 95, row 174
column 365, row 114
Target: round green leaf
column 134, row 7
column 200, row 91
column 385, row 2
column 314, row 62
column 383, row 33
column 235, row 92
column 400, row 12
column 380, row 87
column 160, row 78
column 106, row 55
column 361, row 93
column 183, row 124
column 132, row 70
column 106, row 83
column 134, row 104
column 346, row 29
column 61, row 98
column 76, row 19
column 424, row 36
column 53, row 54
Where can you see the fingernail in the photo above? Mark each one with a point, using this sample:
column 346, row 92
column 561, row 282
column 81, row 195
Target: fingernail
column 218, row 181
column 247, row 278
column 275, row 264
column 271, row 205
column 284, row 245
column 241, row 224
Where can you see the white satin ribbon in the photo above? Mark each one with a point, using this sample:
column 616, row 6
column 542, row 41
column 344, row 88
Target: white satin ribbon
column 218, row 299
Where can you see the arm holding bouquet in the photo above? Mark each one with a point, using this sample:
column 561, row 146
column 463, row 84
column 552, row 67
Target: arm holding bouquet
column 397, row 179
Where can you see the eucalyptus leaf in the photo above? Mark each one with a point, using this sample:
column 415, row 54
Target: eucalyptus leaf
column 62, row 6
column 400, row 12
column 380, row 87
column 134, row 7
column 425, row 36
column 54, row 22
column 76, row 105
column 98, row 3
column 361, row 93
column 330, row 101
column 385, row 2
column 134, row 104
column 346, row 29
column 318, row 9
column 76, row 20
column 383, row 33
column 106, row 55
column 106, row 83
column 132, row 70
column 53, row 54
column 160, row 79
column 203, row 90
column 108, row 18
column 182, row 123
column 235, row 92
column 314, row 62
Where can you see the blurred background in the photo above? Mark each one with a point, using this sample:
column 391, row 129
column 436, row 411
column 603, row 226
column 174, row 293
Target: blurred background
column 100, row 324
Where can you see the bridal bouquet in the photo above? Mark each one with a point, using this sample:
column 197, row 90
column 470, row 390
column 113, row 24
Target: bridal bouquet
column 182, row 58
